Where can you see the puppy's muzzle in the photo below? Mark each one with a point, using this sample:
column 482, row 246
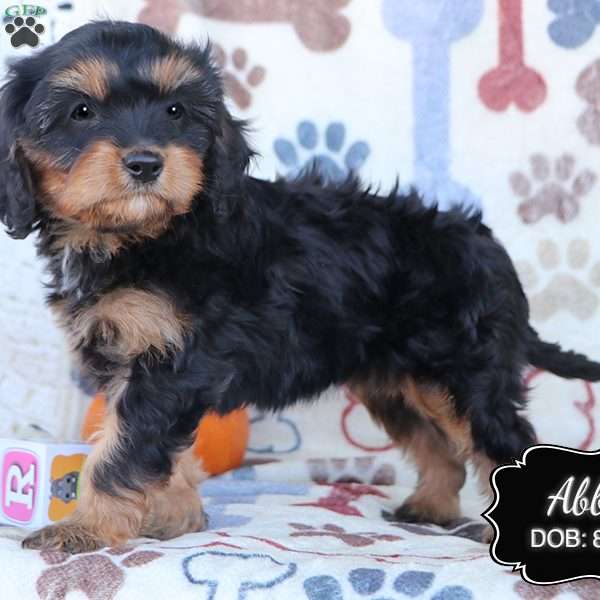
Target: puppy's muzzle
column 143, row 166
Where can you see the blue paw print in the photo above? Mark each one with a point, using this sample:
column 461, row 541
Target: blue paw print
column 367, row 582
column 575, row 21
column 334, row 162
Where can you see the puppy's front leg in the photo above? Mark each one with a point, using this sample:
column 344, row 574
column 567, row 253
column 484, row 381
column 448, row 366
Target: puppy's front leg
column 138, row 480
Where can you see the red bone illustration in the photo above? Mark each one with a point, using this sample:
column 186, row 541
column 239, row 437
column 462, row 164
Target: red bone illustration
column 318, row 23
column 512, row 80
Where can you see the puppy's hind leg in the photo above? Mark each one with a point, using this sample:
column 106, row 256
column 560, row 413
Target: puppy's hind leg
column 500, row 432
column 441, row 475
column 421, row 420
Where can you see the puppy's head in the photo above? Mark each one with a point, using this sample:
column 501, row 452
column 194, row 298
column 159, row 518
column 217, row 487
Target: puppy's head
column 115, row 128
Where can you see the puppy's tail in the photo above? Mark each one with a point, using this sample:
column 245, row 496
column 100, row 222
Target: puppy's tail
column 564, row 363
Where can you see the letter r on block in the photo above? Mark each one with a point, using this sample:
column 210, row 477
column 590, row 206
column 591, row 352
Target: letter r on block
column 19, row 485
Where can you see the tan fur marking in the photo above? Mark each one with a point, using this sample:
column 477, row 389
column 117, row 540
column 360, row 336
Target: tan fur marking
column 131, row 322
column 441, row 476
column 435, row 404
column 176, row 509
column 108, row 516
column 162, row 510
column 98, row 195
column 90, row 76
column 99, row 519
column 431, row 402
column 171, row 72
column 421, row 418
column 78, row 237
column 183, row 177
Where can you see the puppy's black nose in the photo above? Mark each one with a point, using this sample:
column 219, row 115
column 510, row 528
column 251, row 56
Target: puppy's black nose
column 143, row 166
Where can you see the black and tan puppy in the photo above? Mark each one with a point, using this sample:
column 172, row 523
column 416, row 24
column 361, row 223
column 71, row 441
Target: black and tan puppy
column 184, row 285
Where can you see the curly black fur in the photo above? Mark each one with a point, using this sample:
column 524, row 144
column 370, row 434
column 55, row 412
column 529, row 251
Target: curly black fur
column 290, row 287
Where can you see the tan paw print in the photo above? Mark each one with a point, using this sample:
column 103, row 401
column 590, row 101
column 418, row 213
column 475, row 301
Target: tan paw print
column 588, row 88
column 554, row 188
column 95, row 575
column 570, row 288
column 238, row 77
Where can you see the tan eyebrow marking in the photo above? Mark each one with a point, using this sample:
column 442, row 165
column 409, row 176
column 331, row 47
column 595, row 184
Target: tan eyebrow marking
column 170, row 72
column 90, row 76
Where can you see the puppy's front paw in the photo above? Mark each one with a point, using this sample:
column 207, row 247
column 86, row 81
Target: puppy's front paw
column 67, row 537
column 178, row 519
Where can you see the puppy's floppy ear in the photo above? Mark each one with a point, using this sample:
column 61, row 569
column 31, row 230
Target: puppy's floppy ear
column 230, row 158
column 233, row 152
column 17, row 202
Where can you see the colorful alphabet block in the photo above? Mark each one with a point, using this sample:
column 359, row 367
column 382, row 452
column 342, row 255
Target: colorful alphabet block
column 40, row 480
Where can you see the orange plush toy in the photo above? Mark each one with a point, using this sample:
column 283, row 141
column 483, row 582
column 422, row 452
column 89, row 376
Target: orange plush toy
column 220, row 441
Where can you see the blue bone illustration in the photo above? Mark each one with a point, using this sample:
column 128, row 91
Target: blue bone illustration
column 431, row 26
column 229, row 576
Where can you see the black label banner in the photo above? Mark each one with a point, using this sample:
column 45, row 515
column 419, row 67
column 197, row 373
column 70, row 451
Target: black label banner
column 546, row 514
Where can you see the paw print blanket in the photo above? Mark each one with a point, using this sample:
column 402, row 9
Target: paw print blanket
column 304, row 530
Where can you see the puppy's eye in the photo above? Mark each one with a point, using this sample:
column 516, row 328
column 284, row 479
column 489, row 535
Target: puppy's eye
column 82, row 112
column 175, row 111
